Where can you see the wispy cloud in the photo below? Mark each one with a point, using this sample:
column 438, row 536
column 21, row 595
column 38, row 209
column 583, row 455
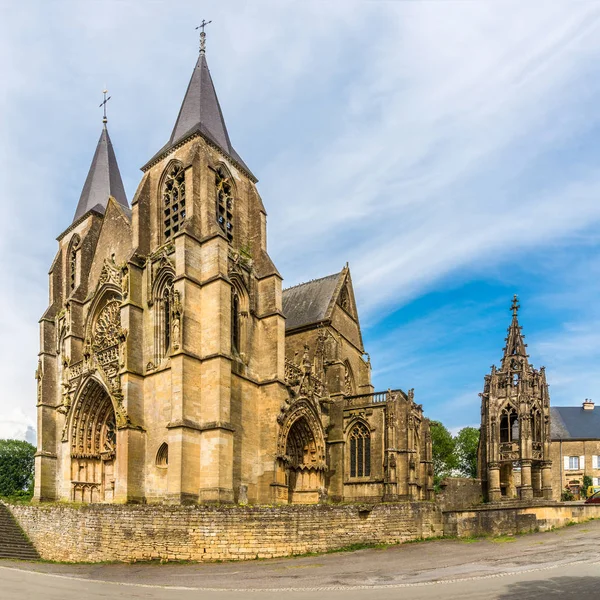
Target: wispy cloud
column 428, row 143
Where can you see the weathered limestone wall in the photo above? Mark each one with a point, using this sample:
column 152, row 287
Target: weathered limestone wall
column 459, row 493
column 103, row 532
column 512, row 520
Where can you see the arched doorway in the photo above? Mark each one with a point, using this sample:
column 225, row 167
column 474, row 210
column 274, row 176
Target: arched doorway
column 304, row 451
column 93, row 445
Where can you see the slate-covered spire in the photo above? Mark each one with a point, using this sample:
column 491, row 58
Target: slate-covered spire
column 200, row 108
column 515, row 346
column 201, row 113
column 103, row 180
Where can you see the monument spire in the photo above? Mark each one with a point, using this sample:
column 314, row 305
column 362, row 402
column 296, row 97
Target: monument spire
column 515, row 346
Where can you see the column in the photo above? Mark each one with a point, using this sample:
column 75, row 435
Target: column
column 526, row 491
column 494, row 493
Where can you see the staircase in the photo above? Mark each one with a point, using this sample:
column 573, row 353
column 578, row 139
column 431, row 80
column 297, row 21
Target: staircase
column 13, row 543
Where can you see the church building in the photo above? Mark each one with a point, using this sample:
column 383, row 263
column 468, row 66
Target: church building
column 174, row 368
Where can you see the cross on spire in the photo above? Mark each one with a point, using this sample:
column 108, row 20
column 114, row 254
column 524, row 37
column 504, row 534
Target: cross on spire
column 515, row 306
column 103, row 105
column 203, row 35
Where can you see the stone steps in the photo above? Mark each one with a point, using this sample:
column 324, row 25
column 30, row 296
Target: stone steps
column 13, row 542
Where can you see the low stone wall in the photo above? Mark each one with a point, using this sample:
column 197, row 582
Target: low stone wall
column 459, row 493
column 498, row 520
column 127, row 532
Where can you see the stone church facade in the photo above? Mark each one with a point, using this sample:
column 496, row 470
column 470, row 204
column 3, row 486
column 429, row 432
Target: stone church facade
column 174, row 368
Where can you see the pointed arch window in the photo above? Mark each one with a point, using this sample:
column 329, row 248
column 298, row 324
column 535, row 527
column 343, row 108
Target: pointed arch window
column 235, row 320
column 225, row 202
column 73, row 259
column 509, row 425
column 360, row 451
column 536, row 425
column 173, row 198
column 163, row 300
column 162, row 456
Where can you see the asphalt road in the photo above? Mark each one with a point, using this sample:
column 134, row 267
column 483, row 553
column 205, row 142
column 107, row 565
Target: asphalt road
column 561, row 564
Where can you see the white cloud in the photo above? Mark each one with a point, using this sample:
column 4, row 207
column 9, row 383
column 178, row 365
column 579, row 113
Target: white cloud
column 404, row 137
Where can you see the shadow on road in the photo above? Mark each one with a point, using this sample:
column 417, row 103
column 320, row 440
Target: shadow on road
column 566, row 588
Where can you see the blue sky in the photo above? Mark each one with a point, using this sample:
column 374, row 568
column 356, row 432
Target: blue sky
column 447, row 150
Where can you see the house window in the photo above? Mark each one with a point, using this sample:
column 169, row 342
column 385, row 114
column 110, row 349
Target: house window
column 360, row 451
column 173, row 201
column 574, row 463
column 224, row 203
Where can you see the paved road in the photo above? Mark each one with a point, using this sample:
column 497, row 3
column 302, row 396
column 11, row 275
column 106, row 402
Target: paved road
column 563, row 564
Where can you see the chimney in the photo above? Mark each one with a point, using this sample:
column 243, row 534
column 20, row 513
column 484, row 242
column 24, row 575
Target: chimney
column 588, row 404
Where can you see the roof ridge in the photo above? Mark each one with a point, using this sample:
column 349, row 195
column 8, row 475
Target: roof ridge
column 311, row 281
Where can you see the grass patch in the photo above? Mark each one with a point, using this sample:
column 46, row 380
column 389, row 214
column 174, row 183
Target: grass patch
column 503, row 539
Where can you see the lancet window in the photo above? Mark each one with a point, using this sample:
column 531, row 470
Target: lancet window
column 235, row 320
column 536, row 425
column 509, row 425
column 173, row 198
column 73, row 256
column 360, row 451
column 162, row 456
column 225, row 202
column 164, row 310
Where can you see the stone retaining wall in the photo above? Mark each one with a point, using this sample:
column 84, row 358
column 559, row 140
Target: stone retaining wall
column 127, row 532
column 510, row 520
column 459, row 493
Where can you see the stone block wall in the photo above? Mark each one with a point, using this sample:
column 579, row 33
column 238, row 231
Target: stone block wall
column 102, row 532
column 512, row 520
column 459, row 492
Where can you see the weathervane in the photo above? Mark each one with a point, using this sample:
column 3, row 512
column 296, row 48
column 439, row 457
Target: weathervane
column 203, row 35
column 103, row 105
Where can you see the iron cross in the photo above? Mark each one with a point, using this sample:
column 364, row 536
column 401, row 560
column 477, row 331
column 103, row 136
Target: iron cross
column 203, row 35
column 203, row 24
column 103, row 104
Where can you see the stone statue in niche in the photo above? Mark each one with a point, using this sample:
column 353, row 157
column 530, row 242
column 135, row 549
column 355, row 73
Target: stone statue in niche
column 176, row 328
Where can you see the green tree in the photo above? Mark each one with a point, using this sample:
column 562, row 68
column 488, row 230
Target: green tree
column 587, row 482
column 16, row 467
column 467, row 442
column 444, row 455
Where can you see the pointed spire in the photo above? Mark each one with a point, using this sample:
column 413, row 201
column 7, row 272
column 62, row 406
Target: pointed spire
column 103, row 180
column 515, row 346
column 201, row 113
column 201, row 109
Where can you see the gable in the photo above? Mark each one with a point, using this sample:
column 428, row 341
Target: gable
column 308, row 303
column 115, row 240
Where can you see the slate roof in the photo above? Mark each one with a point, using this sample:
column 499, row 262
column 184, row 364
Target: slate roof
column 307, row 303
column 201, row 113
column 574, row 423
column 103, row 180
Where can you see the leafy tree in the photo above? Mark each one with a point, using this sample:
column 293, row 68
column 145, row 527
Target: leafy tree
column 587, row 482
column 444, row 455
column 467, row 442
column 16, row 467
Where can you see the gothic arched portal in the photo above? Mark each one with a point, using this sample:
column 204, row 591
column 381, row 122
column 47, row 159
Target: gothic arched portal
column 305, row 462
column 93, row 445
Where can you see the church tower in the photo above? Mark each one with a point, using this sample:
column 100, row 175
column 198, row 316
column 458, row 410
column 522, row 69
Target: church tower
column 514, row 448
column 161, row 370
column 173, row 368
